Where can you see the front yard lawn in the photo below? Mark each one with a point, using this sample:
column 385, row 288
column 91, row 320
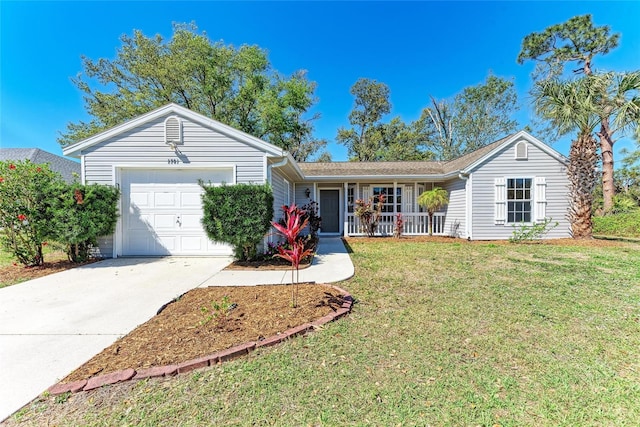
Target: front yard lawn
column 450, row 333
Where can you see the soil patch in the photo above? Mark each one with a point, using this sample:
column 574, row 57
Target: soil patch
column 191, row 327
column 266, row 264
column 16, row 272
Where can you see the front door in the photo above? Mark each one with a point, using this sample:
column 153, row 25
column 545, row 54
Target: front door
column 330, row 211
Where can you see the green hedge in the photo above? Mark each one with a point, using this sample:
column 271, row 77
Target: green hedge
column 622, row 225
column 239, row 215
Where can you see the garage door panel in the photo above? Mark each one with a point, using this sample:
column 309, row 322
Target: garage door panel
column 164, row 212
column 191, row 200
column 164, row 222
column 165, row 200
column 140, row 199
column 191, row 221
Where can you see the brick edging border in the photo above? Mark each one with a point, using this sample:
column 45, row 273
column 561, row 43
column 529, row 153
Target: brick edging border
column 201, row 362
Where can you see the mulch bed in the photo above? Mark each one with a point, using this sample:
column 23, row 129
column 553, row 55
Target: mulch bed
column 183, row 331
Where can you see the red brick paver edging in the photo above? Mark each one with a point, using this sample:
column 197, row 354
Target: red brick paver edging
column 202, row 362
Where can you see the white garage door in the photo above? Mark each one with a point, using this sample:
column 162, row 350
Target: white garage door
column 162, row 212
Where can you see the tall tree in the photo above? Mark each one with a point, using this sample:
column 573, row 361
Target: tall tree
column 236, row 86
column 569, row 106
column 436, row 123
column 371, row 103
column 476, row 117
column 575, row 41
column 484, row 112
column 579, row 41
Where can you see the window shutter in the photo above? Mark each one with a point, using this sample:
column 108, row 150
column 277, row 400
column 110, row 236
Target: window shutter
column 501, row 201
column 408, row 199
column 540, row 198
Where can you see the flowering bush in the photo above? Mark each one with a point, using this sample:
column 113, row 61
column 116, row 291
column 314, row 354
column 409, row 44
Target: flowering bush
column 369, row 213
column 36, row 205
column 24, row 190
column 311, row 213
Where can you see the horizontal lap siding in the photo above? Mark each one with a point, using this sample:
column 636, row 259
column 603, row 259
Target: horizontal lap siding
column 455, row 210
column 279, row 189
column 145, row 145
column 504, row 165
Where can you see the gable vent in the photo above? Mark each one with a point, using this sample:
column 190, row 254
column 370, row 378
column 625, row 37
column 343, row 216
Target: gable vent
column 521, row 150
column 172, row 131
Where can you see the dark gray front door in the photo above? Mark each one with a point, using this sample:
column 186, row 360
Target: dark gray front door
column 330, row 211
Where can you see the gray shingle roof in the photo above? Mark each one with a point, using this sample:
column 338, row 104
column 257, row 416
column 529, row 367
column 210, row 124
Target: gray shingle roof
column 64, row 167
column 396, row 169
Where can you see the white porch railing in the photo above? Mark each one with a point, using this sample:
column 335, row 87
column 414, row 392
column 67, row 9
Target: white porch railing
column 415, row 223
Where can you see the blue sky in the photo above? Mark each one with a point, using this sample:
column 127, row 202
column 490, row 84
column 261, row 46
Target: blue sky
column 417, row 48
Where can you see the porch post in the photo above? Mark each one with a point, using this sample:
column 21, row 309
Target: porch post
column 345, row 209
column 395, row 199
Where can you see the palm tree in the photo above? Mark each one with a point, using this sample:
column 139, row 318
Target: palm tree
column 618, row 107
column 570, row 106
column 433, row 200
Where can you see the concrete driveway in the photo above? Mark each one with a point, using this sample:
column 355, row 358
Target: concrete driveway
column 51, row 325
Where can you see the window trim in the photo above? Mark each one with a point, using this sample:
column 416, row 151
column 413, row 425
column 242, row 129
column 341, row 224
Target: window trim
column 531, row 199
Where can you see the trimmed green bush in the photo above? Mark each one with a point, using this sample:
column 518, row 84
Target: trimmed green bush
column 625, row 224
column 239, row 215
column 24, row 190
column 79, row 214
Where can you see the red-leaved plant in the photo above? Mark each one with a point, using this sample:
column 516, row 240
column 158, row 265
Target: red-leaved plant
column 295, row 252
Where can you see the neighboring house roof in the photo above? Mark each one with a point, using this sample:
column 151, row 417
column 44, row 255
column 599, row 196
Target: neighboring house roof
column 65, row 167
column 419, row 169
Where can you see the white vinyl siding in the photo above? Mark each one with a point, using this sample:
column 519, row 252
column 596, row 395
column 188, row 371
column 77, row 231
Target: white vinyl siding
column 145, row 144
column 489, row 222
column 455, row 219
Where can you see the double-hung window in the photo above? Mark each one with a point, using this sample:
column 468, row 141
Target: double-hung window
column 519, row 200
column 390, row 199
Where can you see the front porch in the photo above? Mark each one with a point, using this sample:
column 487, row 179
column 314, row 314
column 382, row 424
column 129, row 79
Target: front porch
column 337, row 202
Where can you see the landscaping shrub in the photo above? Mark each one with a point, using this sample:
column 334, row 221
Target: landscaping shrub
column 239, row 215
column 24, row 189
column 369, row 213
column 528, row 233
column 79, row 214
column 622, row 225
column 295, row 220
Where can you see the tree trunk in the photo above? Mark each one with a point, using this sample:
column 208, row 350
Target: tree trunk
column 606, row 149
column 583, row 159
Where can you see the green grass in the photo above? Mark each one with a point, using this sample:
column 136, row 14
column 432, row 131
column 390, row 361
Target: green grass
column 442, row 334
column 620, row 225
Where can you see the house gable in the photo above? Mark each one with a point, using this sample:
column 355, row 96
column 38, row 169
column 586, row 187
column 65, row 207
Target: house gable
column 165, row 112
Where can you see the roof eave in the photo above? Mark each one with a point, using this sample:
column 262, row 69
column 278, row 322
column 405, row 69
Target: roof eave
column 374, row 177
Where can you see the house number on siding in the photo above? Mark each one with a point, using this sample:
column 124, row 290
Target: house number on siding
column 173, row 161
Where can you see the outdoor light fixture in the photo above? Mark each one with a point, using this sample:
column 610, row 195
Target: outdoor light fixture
column 307, row 193
column 172, row 146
